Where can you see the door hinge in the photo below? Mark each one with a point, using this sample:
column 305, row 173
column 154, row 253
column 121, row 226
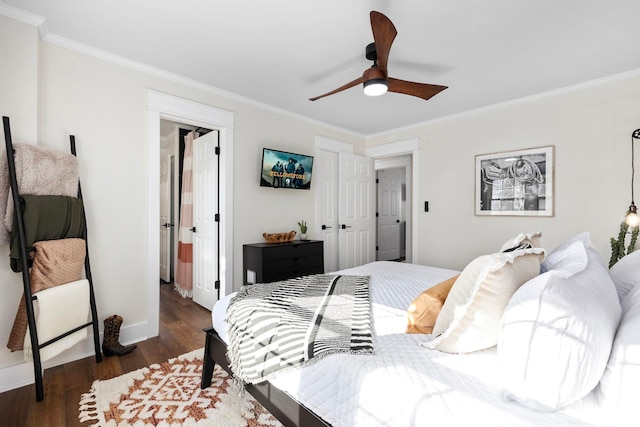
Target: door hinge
column 216, row 218
column 377, row 248
column 377, row 181
column 377, row 214
column 217, row 151
column 217, row 284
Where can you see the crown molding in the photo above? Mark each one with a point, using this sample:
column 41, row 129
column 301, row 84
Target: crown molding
column 514, row 102
column 46, row 36
column 21, row 15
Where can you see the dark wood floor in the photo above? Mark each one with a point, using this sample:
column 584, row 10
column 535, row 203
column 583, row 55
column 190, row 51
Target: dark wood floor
column 181, row 324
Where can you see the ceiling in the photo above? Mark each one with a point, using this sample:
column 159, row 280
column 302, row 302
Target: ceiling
column 282, row 52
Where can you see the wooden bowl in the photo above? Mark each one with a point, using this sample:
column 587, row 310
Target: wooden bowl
column 279, row 237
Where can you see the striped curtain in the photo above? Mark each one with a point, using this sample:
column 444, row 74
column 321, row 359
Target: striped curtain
column 184, row 270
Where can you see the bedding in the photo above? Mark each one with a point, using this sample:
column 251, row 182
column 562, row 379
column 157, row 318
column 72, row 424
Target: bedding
column 405, row 384
column 293, row 322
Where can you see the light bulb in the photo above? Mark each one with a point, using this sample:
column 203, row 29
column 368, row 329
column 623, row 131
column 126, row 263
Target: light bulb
column 632, row 219
column 375, row 87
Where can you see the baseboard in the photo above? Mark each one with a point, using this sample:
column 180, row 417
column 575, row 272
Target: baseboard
column 16, row 376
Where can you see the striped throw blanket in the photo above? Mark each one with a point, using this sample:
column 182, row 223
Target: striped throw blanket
column 277, row 325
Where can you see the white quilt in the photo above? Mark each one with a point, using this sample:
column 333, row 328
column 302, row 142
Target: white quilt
column 404, row 384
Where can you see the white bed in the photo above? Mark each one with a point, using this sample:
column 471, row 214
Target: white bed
column 406, row 384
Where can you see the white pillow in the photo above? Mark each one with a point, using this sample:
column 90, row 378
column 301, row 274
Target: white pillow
column 557, row 332
column 531, row 238
column 626, row 273
column 619, row 387
column 560, row 254
column 470, row 317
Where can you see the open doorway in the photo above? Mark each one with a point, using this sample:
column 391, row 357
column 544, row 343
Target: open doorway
column 166, row 107
column 391, row 214
column 189, row 232
column 402, row 155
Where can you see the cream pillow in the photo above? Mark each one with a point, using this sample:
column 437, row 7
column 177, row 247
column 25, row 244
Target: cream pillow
column 471, row 315
column 523, row 238
column 424, row 310
column 558, row 330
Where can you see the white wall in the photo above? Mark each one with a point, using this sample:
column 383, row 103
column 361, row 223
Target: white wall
column 590, row 127
column 19, row 82
column 104, row 104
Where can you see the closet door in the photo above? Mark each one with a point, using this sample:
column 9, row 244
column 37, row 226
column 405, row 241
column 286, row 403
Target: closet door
column 165, row 218
column 389, row 206
column 205, row 208
column 328, row 177
column 356, row 207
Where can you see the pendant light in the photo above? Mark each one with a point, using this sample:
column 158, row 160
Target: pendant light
column 633, row 219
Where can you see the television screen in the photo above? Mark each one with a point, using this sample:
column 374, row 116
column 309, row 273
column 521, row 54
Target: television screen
column 285, row 170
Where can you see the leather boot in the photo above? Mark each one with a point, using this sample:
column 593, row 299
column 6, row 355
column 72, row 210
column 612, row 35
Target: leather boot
column 110, row 344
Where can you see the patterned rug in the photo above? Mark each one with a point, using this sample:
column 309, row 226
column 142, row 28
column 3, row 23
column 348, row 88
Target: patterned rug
column 169, row 395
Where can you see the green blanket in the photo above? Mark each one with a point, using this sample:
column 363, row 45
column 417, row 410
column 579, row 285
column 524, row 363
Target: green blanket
column 46, row 218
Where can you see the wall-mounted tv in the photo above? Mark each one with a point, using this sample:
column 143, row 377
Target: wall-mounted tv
column 281, row 169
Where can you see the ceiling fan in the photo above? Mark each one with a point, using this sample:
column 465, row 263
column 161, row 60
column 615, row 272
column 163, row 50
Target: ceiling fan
column 376, row 80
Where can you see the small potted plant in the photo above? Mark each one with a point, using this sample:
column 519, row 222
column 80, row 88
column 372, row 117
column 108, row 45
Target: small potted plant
column 303, row 229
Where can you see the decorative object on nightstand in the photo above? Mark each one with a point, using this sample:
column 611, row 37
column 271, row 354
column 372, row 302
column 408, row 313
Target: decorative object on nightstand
column 631, row 222
column 279, row 237
column 303, row 229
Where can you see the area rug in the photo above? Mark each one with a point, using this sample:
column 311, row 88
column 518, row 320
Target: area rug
column 169, row 395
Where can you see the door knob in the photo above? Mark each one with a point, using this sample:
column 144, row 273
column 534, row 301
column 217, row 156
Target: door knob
column 343, row 226
column 324, row 227
column 193, row 229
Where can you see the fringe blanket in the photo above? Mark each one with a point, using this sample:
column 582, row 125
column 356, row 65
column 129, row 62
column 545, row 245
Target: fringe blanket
column 282, row 324
column 39, row 171
column 55, row 262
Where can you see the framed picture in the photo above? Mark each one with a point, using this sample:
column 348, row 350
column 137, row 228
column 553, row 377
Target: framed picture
column 515, row 183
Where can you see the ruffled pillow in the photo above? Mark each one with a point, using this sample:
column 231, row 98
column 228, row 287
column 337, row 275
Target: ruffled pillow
column 471, row 315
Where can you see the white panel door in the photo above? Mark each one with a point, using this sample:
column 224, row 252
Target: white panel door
column 356, row 237
column 328, row 175
column 389, row 198
column 205, row 208
column 165, row 217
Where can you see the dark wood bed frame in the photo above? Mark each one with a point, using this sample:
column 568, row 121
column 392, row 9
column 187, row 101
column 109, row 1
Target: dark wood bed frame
column 286, row 409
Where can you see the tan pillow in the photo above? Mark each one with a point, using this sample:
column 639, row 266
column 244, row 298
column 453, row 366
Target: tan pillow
column 424, row 310
column 55, row 262
column 471, row 315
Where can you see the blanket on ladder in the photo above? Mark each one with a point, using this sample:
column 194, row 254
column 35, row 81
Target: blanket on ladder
column 273, row 326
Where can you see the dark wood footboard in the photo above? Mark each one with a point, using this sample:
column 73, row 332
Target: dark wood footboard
column 287, row 410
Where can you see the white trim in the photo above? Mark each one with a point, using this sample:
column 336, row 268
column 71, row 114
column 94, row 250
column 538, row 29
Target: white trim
column 40, row 22
column 330, row 144
column 163, row 106
column 21, row 15
column 46, row 36
column 408, row 146
column 511, row 103
column 21, row 374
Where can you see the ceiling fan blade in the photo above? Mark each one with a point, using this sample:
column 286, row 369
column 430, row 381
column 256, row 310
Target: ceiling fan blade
column 341, row 88
column 421, row 90
column 384, row 32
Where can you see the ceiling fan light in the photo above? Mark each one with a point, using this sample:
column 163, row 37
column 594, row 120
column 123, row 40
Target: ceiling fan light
column 375, row 87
